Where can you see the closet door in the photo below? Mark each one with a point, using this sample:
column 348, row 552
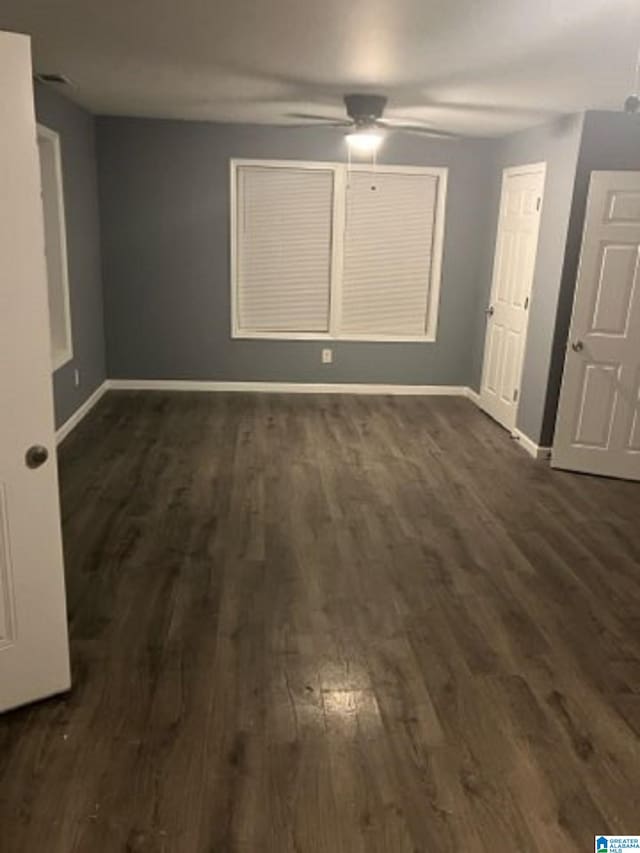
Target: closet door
column 513, row 274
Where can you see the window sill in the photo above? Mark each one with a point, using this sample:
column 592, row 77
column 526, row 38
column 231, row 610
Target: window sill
column 320, row 336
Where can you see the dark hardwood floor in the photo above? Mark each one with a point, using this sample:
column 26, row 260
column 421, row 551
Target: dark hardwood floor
column 331, row 625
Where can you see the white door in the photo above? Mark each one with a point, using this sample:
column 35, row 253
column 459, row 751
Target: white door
column 34, row 658
column 598, row 426
column 513, row 269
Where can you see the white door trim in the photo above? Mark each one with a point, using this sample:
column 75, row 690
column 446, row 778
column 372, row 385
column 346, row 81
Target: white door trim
column 526, row 169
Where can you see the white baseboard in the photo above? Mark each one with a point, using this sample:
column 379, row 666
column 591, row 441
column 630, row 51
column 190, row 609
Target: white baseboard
column 530, row 446
column 525, row 442
column 286, row 387
column 63, row 431
column 261, row 387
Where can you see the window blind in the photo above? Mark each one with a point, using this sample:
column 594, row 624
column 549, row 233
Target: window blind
column 284, row 246
column 388, row 248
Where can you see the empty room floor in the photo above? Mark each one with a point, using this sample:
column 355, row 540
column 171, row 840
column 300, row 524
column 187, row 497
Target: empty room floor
column 331, row 623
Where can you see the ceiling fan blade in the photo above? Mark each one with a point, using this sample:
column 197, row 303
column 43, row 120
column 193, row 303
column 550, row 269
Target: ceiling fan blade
column 421, row 129
column 308, row 125
column 324, row 119
column 435, row 134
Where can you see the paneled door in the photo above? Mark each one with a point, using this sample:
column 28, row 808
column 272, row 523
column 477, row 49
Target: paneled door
column 513, row 269
column 34, row 657
column 598, row 426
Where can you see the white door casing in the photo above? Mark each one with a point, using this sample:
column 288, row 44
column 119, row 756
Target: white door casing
column 513, row 271
column 598, row 425
column 34, row 658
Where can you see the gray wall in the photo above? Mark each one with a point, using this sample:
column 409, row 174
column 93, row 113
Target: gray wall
column 610, row 141
column 558, row 145
column 77, row 138
column 164, row 204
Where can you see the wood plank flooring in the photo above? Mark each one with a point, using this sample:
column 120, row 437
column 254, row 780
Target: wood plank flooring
column 315, row 624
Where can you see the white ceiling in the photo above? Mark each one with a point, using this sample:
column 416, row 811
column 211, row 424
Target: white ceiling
column 482, row 67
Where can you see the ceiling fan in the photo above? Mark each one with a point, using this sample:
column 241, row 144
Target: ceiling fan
column 367, row 127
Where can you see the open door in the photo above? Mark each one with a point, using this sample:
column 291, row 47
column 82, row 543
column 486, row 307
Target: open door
column 508, row 311
column 598, row 426
column 34, row 656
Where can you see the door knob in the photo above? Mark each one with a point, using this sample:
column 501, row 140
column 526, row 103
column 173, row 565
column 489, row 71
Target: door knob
column 577, row 346
column 489, row 311
column 36, row 456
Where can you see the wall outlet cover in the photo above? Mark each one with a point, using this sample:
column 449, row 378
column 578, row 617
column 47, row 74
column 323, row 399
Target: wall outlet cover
column 327, row 356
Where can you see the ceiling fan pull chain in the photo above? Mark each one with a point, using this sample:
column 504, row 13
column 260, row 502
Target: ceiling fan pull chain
column 374, row 161
column 632, row 103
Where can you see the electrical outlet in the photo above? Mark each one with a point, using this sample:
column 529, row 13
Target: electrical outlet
column 327, row 356
column 76, row 377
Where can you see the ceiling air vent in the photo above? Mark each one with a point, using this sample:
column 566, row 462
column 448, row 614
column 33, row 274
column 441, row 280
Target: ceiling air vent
column 57, row 79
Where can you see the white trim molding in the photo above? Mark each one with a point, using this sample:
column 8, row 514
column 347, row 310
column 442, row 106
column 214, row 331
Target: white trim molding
column 287, row 387
column 533, row 449
column 81, row 412
column 474, row 396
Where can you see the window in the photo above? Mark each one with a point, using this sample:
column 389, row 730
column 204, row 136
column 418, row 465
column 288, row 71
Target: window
column 55, row 242
column 284, row 262
column 319, row 251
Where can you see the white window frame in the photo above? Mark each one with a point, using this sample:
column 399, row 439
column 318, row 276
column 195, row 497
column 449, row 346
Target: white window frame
column 340, row 176
column 65, row 355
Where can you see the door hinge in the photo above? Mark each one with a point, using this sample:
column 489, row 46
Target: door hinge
column 515, row 396
column 526, row 303
column 538, row 203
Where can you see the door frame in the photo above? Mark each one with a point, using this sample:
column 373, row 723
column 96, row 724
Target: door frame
column 539, row 167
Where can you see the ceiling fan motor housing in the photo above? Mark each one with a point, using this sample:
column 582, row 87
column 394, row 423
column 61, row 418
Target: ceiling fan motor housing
column 365, row 109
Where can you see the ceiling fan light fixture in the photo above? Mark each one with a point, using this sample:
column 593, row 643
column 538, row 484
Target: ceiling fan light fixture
column 365, row 141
